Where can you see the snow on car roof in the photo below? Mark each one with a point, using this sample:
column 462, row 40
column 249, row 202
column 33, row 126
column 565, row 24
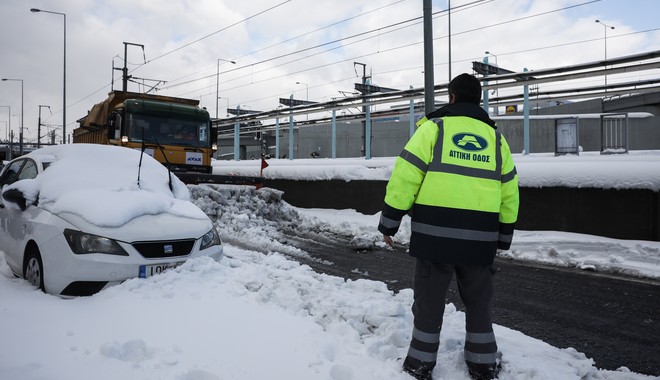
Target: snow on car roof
column 100, row 184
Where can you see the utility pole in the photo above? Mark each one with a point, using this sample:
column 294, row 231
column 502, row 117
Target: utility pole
column 8, row 129
column 365, row 79
column 449, row 28
column 429, row 85
column 39, row 126
column 20, row 141
column 11, row 145
column 124, row 70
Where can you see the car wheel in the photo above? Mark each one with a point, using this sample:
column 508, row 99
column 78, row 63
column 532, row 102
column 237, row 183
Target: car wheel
column 33, row 268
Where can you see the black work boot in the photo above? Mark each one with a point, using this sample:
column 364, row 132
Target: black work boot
column 486, row 371
column 418, row 370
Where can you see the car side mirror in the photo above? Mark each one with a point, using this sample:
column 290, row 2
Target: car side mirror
column 15, row 196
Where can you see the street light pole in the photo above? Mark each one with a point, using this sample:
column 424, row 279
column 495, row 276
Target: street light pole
column 306, row 95
column 35, row 10
column 39, row 126
column 227, row 99
column 307, row 87
column 495, row 108
column 605, row 26
column 489, row 53
column 217, row 84
column 20, row 141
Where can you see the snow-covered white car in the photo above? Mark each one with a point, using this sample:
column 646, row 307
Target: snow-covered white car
column 77, row 218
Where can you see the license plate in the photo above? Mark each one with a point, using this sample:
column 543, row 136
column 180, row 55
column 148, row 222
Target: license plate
column 150, row 270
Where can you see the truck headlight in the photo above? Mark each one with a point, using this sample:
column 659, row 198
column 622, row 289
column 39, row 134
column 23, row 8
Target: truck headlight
column 82, row 243
column 210, row 239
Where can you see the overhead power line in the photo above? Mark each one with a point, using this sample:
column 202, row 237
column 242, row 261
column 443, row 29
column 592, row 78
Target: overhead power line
column 387, row 28
column 179, row 48
column 214, row 33
column 294, row 38
column 390, row 29
column 299, row 51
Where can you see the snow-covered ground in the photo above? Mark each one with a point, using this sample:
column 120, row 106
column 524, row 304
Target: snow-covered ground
column 636, row 170
column 258, row 314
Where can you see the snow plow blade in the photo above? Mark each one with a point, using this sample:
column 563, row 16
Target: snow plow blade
column 199, row 178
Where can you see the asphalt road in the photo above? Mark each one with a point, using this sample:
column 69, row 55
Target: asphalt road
column 613, row 320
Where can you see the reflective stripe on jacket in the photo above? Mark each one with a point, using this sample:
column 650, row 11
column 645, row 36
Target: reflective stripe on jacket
column 457, row 175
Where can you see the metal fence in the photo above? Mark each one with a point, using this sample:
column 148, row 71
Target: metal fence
column 614, row 133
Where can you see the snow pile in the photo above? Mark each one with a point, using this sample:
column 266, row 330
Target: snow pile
column 251, row 218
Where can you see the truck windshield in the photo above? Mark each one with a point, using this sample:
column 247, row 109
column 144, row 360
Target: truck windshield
column 167, row 131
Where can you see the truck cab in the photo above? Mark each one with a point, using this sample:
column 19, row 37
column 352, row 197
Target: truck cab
column 175, row 131
column 177, row 135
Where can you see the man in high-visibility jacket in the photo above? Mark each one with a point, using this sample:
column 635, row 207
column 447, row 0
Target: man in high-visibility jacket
column 457, row 179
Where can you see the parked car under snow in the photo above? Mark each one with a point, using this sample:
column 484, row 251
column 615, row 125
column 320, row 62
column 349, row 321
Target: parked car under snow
column 77, row 218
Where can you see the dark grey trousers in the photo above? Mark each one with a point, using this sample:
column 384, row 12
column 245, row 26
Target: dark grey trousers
column 475, row 286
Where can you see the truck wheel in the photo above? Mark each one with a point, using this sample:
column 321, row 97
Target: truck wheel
column 33, row 268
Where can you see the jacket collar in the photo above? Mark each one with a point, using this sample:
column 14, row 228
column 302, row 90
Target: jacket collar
column 463, row 109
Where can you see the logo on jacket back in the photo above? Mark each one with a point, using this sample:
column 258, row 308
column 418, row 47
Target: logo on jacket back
column 468, row 144
column 468, row 141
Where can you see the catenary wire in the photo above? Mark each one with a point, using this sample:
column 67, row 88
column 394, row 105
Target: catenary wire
column 395, row 48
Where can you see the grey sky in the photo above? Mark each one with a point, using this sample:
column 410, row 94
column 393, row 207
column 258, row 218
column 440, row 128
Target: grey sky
column 278, row 43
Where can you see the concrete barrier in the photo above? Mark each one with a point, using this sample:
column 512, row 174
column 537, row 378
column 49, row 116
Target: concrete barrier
column 621, row 214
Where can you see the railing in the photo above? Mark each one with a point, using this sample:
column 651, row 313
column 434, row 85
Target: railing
column 403, row 102
column 614, row 133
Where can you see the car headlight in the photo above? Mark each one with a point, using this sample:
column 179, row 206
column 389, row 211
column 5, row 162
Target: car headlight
column 210, row 239
column 82, row 243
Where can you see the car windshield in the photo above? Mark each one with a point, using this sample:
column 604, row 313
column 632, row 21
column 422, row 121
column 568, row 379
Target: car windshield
column 168, row 131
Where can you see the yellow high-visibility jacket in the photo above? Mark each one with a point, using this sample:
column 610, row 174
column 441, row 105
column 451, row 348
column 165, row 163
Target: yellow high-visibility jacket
column 457, row 176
